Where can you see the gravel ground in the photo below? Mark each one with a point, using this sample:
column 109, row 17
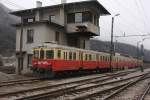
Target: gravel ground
column 6, row 77
column 7, row 69
column 9, row 77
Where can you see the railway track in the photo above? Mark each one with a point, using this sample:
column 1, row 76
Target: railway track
column 145, row 92
column 77, row 90
column 113, row 94
column 66, row 86
column 21, row 81
column 33, row 80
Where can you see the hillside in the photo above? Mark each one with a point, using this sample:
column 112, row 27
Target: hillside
column 7, row 32
column 120, row 48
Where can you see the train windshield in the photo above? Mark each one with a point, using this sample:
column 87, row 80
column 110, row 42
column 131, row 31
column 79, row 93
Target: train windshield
column 41, row 54
column 50, row 54
column 36, row 54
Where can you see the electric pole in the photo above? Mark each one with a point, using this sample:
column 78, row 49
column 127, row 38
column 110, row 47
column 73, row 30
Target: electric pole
column 20, row 65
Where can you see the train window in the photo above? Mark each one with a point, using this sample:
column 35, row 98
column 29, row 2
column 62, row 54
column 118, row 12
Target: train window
column 64, row 55
column 97, row 57
column 59, row 54
column 70, row 55
column 81, row 56
column 36, row 54
column 74, row 56
column 49, row 54
column 41, row 54
column 86, row 56
column 101, row 57
column 90, row 57
column 107, row 58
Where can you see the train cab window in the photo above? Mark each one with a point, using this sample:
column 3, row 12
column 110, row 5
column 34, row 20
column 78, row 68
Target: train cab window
column 49, row 54
column 41, row 54
column 59, row 54
column 74, row 56
column 36, row 54
column 70, row 55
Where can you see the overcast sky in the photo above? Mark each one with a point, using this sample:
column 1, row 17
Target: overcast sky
column 134, row 17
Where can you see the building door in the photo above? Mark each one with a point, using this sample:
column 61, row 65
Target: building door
column 29, row 59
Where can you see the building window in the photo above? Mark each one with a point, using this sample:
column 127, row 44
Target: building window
column 52, row 18
column 29, row 60
column 71, row 18
column 96, row 20
column 87, row 16
column 29, row 20
column 30, row 35
column 57, row 37
column 78, row 17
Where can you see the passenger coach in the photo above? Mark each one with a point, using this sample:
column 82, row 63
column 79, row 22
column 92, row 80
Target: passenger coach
column 56, row 58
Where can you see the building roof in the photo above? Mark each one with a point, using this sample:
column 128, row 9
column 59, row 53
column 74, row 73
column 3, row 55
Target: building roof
column 91, row 2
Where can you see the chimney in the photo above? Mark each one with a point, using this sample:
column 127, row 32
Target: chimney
column 38, row 4
column 63, row 1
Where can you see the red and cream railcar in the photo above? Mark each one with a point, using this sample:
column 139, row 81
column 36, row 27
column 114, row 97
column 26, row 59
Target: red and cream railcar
column 56, row 58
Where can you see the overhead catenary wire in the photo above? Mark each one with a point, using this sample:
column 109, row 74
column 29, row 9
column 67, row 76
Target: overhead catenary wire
column 124, row 19
column 139, row 5
column 132, row 14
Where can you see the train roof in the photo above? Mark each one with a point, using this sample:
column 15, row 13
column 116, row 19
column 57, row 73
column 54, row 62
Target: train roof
column 54, row 45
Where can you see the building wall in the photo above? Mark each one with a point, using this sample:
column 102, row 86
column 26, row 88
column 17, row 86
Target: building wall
column 57, row 12
column 42, row 33
column 90, row 27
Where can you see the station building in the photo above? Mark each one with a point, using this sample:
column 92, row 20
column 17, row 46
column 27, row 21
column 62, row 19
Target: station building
column 71, row 24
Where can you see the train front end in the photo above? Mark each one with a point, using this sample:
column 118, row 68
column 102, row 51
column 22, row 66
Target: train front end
column 42, row 61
